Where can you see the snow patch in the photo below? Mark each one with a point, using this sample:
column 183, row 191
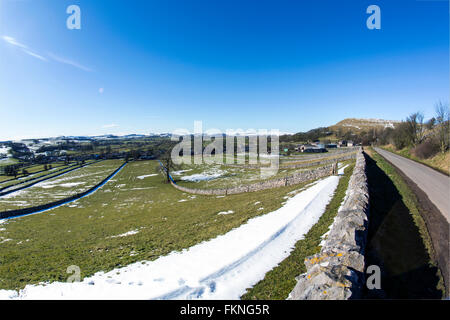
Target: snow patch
column 147, row 175
column 64, row 185
column 226, row 212
column 204, row 176
column 126, row 234
column 341, row 170
column 177, row 173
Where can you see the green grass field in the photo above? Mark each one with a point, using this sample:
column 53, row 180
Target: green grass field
column 135, row 216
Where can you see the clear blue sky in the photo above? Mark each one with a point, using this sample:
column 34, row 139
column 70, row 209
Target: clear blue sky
column 154, row 66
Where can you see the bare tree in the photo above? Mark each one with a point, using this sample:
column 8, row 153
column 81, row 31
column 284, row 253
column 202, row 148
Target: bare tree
column 443, row 125
column 167, row 165
column 415, row 127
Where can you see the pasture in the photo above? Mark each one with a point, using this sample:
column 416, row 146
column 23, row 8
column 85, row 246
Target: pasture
column 136, row 216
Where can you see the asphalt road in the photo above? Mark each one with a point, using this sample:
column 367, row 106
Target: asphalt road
column 433, row 183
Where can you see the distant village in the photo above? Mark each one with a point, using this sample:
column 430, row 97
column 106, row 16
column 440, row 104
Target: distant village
column 16, row 155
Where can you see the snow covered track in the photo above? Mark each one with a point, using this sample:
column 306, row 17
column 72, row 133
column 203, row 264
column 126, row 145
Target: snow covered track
column 221, row 268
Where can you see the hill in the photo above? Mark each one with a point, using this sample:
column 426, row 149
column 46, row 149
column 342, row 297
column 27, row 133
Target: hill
column 359, row 125
column 347, row 129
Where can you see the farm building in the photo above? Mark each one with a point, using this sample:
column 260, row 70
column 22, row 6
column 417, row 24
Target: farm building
column 342, row 143
column 315, row 150
column 309, row 148
column 302, row 147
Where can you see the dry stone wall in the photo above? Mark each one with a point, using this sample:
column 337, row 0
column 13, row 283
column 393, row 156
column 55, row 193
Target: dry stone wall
column 263, row 185
column 304, row 161
column 314, row 156
column 337, row 272
column 318, row 163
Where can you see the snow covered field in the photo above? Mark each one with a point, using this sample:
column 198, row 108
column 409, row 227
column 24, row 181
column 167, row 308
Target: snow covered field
column 4, row 150
column 221, row 268
column 204, row 176
column 59, row 187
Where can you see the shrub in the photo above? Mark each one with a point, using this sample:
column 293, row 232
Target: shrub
column 426, row 149
column 401, row 136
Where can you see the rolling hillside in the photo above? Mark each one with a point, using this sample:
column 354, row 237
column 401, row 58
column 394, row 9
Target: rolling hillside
column 359, row 125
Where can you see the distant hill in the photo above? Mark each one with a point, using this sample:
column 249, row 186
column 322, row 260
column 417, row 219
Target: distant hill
column 359, row 125
column 351, row 128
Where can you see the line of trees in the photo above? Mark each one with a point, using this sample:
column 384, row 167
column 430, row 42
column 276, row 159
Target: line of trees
column 425, row 138
column 11, row 170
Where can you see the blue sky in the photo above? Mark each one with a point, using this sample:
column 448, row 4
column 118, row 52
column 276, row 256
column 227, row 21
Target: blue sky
column 154, row 66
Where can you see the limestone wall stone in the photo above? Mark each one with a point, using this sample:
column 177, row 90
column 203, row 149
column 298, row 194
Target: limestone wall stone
column 337, row 271
column 320, row 162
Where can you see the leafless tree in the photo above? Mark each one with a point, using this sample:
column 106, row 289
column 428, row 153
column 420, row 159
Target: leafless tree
column 443, row 125
column 416, row 128
column 167, row 165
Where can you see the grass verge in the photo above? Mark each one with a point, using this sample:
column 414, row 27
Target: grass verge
column 279, row 282
column 439, row 162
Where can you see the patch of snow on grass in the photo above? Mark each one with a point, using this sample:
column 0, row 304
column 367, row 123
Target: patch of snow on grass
column 132, row 189
column 126, row 234
column 64, row 185
column 147, row 175
column 204, row 176
column 179, row 172
column 341, row 170
column 13, row 194
column 226, row 212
